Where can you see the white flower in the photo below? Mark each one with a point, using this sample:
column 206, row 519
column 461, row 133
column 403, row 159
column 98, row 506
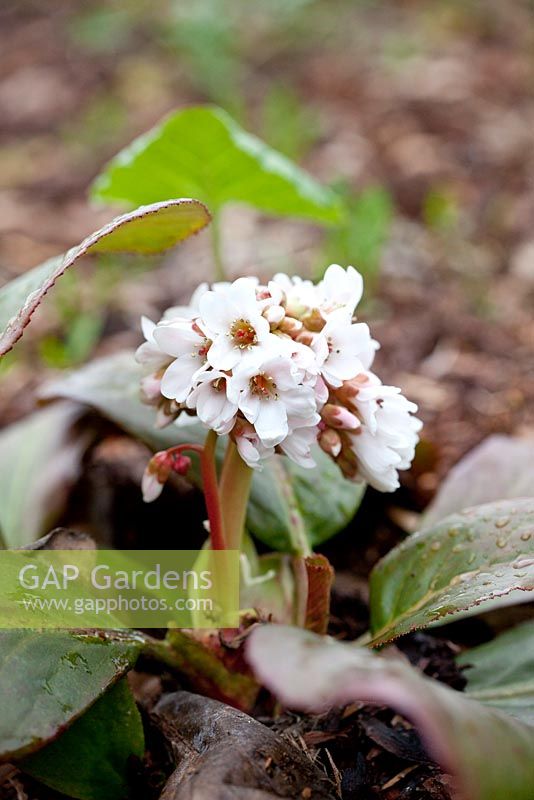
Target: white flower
column 210, row 400
column 270, row 398
column 249, row 445
column 386, row 440
column 297, row 445
column 279, row 367
column 234, row 322
column 321, row 392
column 185, row 341
column 341, row 290
column 150, row 354
column 300, row 295
column 343, row 349
column 303, row 359
column 270, row 295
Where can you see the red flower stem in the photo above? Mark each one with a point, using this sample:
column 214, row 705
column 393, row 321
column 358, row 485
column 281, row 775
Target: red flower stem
column 209, row 484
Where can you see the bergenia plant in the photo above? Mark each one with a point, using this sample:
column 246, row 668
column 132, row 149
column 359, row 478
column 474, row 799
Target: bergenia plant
column 277, row 368
column 277, row 377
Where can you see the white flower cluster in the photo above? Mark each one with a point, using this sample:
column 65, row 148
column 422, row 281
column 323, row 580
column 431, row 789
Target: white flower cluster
column 279, row 367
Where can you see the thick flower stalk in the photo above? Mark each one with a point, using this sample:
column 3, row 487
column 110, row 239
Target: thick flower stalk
column 277, row 368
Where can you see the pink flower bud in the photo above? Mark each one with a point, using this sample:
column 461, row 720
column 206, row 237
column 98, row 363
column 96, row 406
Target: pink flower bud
column 346, row 393
column 151, row 388
column 291, row 326
column 180, row 464
column 306, row 337
column 340, row 417
column 151, row 486
column 156, row 473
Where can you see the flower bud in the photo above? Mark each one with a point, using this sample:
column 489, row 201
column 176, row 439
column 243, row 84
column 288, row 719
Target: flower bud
column 274, row 316
column 330, row 442
column 168, row 411
column 339, row 417
column 151, row 388
column 306, row 337
column 155, row 476
column 346, row 393
column 347, row 467
column 314, row 320
column 158, row 470
column 150, row 486
column 180, row 463
column 291, row 326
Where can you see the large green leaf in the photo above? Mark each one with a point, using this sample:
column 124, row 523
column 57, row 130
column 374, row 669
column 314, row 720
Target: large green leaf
column 49, row 678
column 287, row 502
column 92, row 759
column 40, row 459
column 149, row 229
column 201, row 152
column 501, row 672
column 502, row 461
column 490, row 754
column 470, row 562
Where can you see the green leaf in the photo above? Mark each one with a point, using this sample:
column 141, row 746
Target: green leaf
column 91, row 760
column 501, row 673
column 288, row 503
column 470, row 562
column 49, row 678
column 149, row 229
column 490, row 754
column 40, row 460
column 502, row 461
column 202, row 152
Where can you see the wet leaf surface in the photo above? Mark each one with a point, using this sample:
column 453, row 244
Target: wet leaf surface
column 480, row 559
column 93, row 759
column 48, row 679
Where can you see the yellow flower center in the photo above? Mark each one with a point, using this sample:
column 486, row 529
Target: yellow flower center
column 243, row 334
column 263, row 386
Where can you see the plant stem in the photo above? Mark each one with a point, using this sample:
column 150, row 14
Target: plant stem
column 235, row 483
column 300, row 545
column 220, row 272
column 209, row 485
column 302, row 586
column 211, row 492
